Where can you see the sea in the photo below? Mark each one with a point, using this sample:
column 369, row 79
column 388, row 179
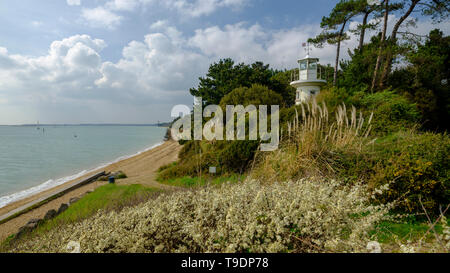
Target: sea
column 37, row 158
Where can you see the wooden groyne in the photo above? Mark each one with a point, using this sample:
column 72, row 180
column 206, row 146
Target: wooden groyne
column 47, row 198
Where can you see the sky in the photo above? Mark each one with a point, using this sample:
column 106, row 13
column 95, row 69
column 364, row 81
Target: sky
column 131, row 61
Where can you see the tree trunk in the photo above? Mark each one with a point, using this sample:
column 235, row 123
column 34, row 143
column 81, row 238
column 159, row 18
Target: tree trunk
column 380, row 52
column 389, row 57
column 338, row 50
column 363, row 31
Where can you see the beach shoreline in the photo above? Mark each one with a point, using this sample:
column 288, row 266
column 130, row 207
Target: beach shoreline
column 52, row 184
column 140, row 168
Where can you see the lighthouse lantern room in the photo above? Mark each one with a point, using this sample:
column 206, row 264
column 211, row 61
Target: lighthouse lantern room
column 308, row 80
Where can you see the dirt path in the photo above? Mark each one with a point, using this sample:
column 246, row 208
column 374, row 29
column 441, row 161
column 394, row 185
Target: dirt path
column 140, row 169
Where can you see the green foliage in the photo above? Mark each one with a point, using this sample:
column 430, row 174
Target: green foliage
column 418, row 168
column 403, row 157
column 255, row 95
column 357, row 72
column 334, row 28
column 422, row 81
column 225, row 76
column 196, row 157
column 439, row 10
column 280, row 83
column 392, row 112
column 237, row 154
column 339, row 16
column 190, row 162
column 416, row 165
column 226, row 156
column 390, row 232
column 335, row 96
column 328, row 37
column 188, row 181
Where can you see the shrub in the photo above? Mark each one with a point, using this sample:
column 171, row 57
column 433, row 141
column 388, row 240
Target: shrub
column 227, row 156
column 311, row 216
column 392, row 112
column 418, row 167
column 333, row 97
column 415, row 166
column 255, row 95
column 236, row 155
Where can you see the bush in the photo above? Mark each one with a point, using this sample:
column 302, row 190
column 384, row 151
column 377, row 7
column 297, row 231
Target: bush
column 311, row 216
column 418, row 168
column 392, row 112
column 333, row 97
column 255, row 95
column 227, row 156
column 415, row 166
column 237, row 155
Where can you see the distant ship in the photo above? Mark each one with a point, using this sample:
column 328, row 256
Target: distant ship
column 37, row 125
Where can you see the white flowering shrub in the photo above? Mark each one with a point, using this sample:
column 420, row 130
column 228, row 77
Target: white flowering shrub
column 302, row 216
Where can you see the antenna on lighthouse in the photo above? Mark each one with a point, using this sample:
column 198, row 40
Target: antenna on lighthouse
column 307, row 47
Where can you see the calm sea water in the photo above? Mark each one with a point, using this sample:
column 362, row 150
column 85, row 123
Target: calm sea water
column 33, row 160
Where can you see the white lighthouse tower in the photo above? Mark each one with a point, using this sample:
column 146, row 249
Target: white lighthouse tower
column 308, row 80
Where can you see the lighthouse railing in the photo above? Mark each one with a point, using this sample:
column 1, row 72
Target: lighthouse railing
column 319, row 75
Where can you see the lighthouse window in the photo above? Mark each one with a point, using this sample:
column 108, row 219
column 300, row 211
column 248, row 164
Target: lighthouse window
column 303, row 65
column 313, row 65
column 312, row 92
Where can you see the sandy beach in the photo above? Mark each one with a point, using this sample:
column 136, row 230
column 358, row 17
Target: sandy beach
column 140, row 169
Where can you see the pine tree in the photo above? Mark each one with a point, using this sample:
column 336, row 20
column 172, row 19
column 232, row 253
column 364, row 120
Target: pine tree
column 334, row 28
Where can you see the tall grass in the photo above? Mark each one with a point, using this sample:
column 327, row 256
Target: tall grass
column 313, row 140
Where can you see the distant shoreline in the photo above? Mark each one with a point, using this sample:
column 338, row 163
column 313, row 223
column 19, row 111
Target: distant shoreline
column 162, row 124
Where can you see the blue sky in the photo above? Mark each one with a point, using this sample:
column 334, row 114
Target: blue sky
column 29, row 26
column 130, row 61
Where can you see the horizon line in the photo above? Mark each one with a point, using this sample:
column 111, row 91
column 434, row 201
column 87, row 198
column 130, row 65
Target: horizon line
column 88, row 124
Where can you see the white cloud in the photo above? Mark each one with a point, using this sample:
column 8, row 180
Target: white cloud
column 151, row 74
column 236, row 40
column 73, row 62
column 36, row 23
column 124, row 5
column 107, row 15
column 280, row 48
column 158, row 25
column 101, row 17
column 155, row 67
column 73, row 2
column 198, row 8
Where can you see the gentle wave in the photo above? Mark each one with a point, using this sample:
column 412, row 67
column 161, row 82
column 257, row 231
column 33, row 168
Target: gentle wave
column 8, row 199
